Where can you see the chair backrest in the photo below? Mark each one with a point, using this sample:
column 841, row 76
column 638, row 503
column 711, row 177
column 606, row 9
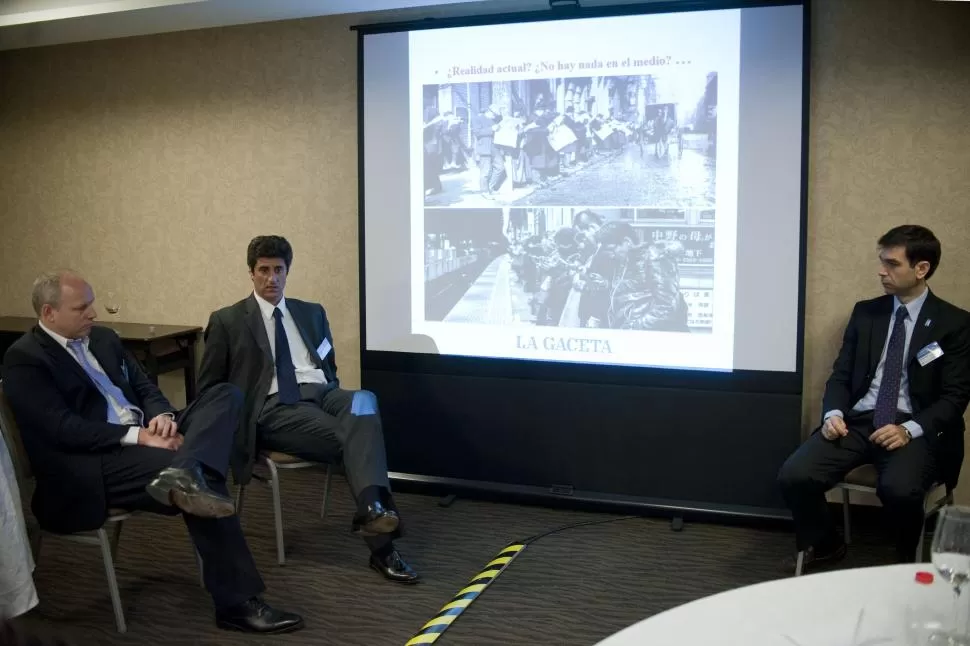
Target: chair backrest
column 11, row 435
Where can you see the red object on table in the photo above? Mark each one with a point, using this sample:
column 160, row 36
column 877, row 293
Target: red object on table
column 924, row 577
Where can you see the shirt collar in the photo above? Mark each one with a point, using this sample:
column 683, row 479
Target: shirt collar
column 914, row 306
column 267, row 308
column 57, row 337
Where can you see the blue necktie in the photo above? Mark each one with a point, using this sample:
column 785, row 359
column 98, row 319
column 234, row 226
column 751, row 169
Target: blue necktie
column 105, row 385
column 892, row 373
column 289, row 390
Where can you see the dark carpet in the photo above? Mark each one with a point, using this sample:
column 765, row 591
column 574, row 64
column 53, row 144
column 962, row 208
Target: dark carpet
column 573, row 587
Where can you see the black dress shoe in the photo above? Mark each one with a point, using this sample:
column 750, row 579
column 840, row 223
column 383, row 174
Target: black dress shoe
column 394, row 568
column 376, row 520
column 257, row 616
column 815, row 559
column 188, row 490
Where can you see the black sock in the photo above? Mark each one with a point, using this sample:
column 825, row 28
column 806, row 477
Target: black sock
column 828, row 544
column 184, row 463
column 384, row 550
column 368, row 496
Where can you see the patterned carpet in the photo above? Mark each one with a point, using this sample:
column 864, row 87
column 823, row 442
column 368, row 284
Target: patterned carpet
column 573, row 587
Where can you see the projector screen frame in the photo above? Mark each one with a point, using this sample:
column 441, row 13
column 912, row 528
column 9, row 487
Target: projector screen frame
column 376, row 365
column 735, row 380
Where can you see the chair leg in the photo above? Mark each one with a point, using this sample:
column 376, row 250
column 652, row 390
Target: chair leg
column 845, row 516
column 274, row 483
column 109, row 571
column 799, row 562
column 326, row 492
column 927, row 512
column 919, row 544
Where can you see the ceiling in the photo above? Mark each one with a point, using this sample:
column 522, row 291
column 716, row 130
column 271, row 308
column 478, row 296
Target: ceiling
column 36, row 23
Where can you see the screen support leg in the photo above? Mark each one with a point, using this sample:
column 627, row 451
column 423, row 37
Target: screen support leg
column 677, row 523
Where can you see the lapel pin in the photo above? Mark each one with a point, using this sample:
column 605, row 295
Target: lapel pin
column 928, row 321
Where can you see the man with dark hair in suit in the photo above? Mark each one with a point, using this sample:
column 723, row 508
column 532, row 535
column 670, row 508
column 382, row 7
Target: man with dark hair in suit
column 279, row 352
column 100, row 435
column 895, row 399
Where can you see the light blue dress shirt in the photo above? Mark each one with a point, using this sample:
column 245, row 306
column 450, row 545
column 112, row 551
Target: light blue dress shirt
column 118, row 412
column 868, row 401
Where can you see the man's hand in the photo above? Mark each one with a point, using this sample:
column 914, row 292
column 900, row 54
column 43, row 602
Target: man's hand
column 834, row 428
column 148, row 438
column 890, row 437
column 163, row 425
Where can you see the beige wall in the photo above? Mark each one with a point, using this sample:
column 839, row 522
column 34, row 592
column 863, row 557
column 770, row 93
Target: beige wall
column 148, row 163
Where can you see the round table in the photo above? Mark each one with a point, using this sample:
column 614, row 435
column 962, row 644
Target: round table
column 864, row 606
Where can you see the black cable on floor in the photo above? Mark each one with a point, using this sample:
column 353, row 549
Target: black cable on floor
column 534, row 538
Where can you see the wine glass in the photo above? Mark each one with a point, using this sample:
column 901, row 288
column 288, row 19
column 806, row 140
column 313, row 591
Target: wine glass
column 951, row 557
column 111, row 304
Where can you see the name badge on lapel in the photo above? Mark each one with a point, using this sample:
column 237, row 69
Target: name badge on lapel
column 324, row 349
column 930, row 353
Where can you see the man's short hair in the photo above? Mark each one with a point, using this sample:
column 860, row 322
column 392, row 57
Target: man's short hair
column 919, row 242
column 269, row 247
column 47, row 290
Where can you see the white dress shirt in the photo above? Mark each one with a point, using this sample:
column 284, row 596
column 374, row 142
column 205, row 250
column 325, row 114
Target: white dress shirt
column 904, row 404
column 133, row 416
column 306, row 371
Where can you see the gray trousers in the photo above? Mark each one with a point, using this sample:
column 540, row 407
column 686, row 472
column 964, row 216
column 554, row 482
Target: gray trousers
column 326, row 426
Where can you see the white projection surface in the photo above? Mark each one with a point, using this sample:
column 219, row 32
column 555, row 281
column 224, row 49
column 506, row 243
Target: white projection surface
column 618, row 190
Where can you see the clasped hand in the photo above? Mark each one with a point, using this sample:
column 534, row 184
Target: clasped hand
column 161, row 432
column 889, row 437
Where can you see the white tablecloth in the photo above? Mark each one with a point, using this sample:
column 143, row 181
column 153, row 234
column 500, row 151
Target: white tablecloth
column 17, row 593
column 881, row 605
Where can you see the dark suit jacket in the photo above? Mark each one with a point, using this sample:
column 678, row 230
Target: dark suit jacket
column 237, row 351
column 939, row 391
column 61, row 415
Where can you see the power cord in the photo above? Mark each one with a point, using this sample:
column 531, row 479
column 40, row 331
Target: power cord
column 587, row 523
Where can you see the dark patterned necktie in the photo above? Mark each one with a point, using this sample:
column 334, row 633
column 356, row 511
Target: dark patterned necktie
column 289, row 390
column 892, row 373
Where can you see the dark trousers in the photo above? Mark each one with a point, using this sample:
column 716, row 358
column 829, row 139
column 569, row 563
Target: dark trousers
column 325, row 426
column 208, row 425
column 905, row 475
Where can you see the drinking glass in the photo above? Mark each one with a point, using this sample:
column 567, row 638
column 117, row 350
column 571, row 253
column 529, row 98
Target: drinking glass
column 111, row 305
column 951, row 558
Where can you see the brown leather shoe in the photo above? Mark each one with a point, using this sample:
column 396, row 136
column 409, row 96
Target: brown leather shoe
column 376, row 520
column 188, row 490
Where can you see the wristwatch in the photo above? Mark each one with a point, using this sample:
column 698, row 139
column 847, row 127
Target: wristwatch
column 909, row 435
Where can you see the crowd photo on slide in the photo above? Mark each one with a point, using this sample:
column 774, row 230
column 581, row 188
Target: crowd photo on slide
column 571, row 267
column 582, row 141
